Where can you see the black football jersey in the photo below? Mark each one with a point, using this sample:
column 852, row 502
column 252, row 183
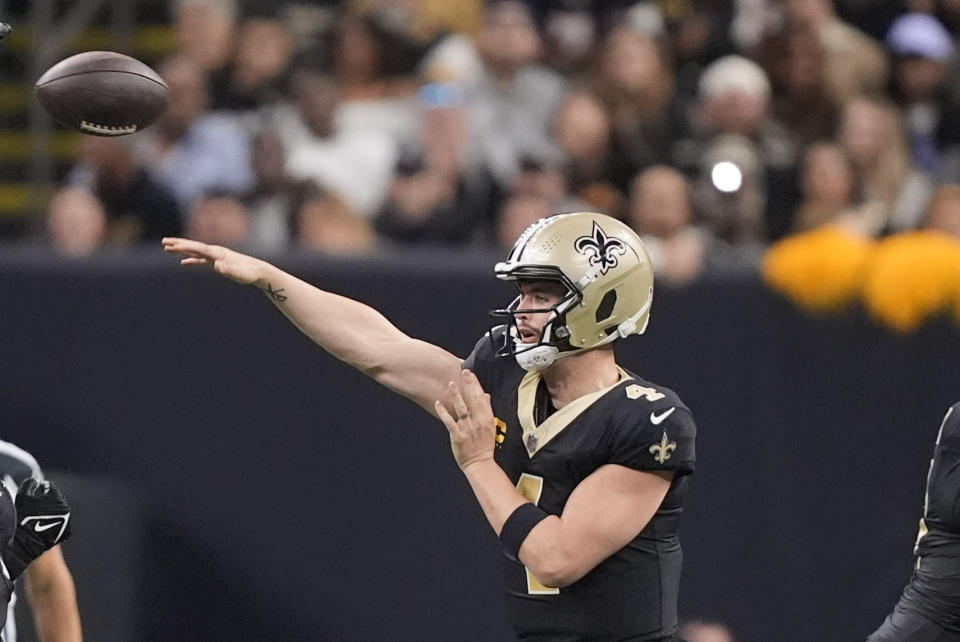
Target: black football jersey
column 934, row 589
column 940, row 526
column 634, row 423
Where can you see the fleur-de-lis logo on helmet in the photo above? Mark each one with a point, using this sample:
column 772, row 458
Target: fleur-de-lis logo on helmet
column 600, row 248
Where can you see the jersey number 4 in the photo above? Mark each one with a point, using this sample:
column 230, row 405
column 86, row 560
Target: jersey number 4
column 530, row 486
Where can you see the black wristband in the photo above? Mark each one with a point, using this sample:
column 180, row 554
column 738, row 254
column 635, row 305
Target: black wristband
column 518, row 526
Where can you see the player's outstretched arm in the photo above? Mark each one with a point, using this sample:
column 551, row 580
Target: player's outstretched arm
column 603, row 514
column 349, row 330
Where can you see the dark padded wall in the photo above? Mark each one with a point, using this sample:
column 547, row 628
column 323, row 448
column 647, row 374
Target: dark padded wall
column 286, row 497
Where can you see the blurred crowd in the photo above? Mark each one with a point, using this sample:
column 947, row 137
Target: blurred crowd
column 713, row 127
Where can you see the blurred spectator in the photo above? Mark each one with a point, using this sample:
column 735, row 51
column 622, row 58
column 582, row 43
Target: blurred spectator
column 326, row 223
column 730, row 190
column 871, row 136
column 518, row 212
column 516, row 100
column 753, row 20
column 943, row 214
column 138, row 208
column 700, row 33
column 453, row 59
column 377, row 51
column 795, row 61
column 634, row 81
column 254, row 75
column 204, row 31
column 827, row 184
column 543, row 173
column 736, row 136
column 76, row 222
column 661, row 212
column 191, row 151
column 583, row 132
column 855, row 63
column 569, row 36
column 644, row 17
column 921, row 47
column 218, row 218
column 375, row 61
column 355, row 165
column 734, row 96
column 436, row 195
column 660, row 202
column 275, row 198
column 539, row 190
column 698, row 631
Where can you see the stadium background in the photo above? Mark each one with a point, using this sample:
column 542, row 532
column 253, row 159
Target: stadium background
column 231, row 482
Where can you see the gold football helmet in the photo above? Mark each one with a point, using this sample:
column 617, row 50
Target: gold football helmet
column 606, row 271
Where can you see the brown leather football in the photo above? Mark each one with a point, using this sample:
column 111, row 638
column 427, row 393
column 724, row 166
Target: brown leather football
column 102, row 93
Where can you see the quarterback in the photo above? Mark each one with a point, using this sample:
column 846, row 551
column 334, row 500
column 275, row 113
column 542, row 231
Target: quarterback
column 579, row 465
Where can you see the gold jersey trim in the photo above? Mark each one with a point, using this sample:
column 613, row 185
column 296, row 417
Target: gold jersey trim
column 536, row 437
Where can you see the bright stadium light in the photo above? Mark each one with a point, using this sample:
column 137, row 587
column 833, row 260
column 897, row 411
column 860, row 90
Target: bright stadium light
column 726, row 176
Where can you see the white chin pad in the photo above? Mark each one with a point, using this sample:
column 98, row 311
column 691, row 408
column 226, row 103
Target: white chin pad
column 537, row 358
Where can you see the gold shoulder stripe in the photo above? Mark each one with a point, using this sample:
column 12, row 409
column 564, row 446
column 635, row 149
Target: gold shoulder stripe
column 536, row 437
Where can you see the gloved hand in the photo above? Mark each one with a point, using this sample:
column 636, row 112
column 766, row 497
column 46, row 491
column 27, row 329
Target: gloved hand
column 43, row 521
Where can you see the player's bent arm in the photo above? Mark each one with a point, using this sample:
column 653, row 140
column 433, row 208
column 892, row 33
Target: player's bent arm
column 53, row 599
column 603, row 514
column 349, row 330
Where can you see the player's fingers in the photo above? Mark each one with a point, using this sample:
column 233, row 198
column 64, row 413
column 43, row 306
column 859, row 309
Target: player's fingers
column 459, row 405
column 175, row 240
column 472, row 391
column 176, row 249
column 445, row 417
column 173, row 244
column 193, row 261
column 187, row 246
column 29, row 486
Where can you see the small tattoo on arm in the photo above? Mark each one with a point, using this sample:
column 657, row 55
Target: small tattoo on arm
column 276, row 295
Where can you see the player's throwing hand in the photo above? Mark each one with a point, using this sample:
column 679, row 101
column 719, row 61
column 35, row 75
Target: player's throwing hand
column 472, row 430
column 235, row 266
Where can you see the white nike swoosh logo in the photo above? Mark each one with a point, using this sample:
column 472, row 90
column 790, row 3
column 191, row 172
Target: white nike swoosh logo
column 656, row 419
column 38, row 527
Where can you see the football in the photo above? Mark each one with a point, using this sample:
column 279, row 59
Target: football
column 102, row 93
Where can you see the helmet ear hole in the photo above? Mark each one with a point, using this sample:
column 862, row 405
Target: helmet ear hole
column 605, row 309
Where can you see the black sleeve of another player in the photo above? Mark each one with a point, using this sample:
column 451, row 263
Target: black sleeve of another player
column 948, row 466
column 669, row 445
